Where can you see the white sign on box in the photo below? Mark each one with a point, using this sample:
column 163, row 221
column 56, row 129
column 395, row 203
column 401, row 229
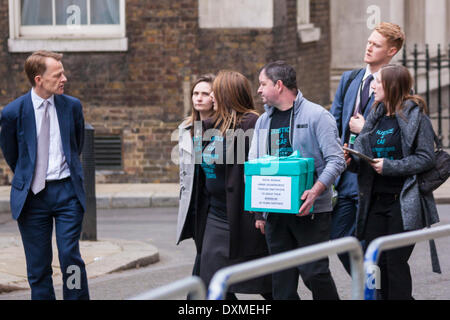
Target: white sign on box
column 271, row 192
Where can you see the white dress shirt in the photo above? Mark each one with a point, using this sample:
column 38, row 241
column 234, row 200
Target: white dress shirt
column 57, row 165
column 358, row 96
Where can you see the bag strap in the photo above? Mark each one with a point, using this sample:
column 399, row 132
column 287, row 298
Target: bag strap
column 350, row 80
column 435, row 265
column 437, row 141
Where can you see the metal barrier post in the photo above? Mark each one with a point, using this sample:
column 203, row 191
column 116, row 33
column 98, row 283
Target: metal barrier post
column 89, row 227
column 259, row 267
column 193, row 285
column 380, row 244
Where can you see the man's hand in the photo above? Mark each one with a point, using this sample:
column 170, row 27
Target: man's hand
column 357, row 123
column 260, row 224
column 378, row 165
column 308, row 198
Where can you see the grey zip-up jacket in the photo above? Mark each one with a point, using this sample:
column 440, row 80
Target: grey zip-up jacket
column 315, row 135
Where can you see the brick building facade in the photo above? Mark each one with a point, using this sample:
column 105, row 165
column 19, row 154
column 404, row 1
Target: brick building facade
column 140, row 94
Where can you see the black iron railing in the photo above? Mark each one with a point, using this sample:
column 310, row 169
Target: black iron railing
column 423, row 65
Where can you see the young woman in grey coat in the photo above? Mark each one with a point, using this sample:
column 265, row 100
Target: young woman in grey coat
column 202, row 109
column 399, row 136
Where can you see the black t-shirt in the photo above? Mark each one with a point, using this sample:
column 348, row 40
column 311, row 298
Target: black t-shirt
column 386, row 143
column 281, row 125
column 213, row 165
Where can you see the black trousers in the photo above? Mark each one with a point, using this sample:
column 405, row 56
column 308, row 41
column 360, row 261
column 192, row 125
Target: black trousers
column 385, row 218
column 286, row 232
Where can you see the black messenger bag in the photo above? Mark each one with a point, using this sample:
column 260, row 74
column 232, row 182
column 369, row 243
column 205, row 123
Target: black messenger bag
column 430, row 180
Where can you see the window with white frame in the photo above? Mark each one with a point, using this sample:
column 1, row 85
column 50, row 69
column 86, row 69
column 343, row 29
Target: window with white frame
column 303, row 12
column 67, row 25
column 306, row 30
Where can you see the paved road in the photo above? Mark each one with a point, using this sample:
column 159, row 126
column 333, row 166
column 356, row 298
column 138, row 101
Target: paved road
column 157, row 226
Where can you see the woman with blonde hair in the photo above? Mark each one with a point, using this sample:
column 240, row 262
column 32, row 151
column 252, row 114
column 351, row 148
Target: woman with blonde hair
column 228, row 233
column 399, row 136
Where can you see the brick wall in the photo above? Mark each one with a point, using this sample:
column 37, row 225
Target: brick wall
column 314, row 61
column 138, row 94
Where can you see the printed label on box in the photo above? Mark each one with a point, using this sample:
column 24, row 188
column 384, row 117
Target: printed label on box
column 271, row 192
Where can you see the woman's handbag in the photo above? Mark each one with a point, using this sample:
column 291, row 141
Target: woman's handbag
column 430, row 180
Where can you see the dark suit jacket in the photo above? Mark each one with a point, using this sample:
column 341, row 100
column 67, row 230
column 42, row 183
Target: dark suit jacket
column 343, row 107
column 18, row 142
column 342, row 110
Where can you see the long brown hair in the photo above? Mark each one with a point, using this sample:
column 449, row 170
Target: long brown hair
column 233, row 98
column 397, row 85
column 195, row 115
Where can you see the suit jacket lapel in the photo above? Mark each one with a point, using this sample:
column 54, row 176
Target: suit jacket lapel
column 64, row 120
column 369, row 106
column 350, row 99
column 29, row 128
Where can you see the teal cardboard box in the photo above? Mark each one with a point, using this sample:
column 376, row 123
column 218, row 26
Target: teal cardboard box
column 275, row 184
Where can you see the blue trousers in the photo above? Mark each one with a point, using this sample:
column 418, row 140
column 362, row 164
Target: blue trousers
column 343, row 224
column 59, row 203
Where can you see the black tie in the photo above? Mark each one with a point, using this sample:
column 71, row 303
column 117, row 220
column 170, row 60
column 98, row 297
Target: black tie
column 364, row 99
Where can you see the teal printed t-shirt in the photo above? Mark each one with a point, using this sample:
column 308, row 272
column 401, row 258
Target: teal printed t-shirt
column 281, row 126
column 214, row 169
column 386, row 143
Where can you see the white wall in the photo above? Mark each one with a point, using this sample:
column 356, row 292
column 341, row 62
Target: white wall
column 435, row 23
column 236, row 13
column 448, row 23
column 351, row 26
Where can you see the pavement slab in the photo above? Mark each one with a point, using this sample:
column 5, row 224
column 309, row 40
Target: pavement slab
column 101, row 257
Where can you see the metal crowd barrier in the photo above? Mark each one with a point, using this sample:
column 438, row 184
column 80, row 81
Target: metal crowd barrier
column 259, row 267
column 192, row 285
column 380, row 244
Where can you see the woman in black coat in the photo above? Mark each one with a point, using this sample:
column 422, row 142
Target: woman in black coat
column 399, row 135
column 226, row 234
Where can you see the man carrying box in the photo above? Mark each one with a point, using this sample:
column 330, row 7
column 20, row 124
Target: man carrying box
column 292, row 123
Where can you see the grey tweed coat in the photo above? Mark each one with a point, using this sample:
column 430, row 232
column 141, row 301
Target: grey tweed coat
column 417, row 137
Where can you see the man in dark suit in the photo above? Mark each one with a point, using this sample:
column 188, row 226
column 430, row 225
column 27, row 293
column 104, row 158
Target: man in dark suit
column 41, row 138
column 351, row 105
